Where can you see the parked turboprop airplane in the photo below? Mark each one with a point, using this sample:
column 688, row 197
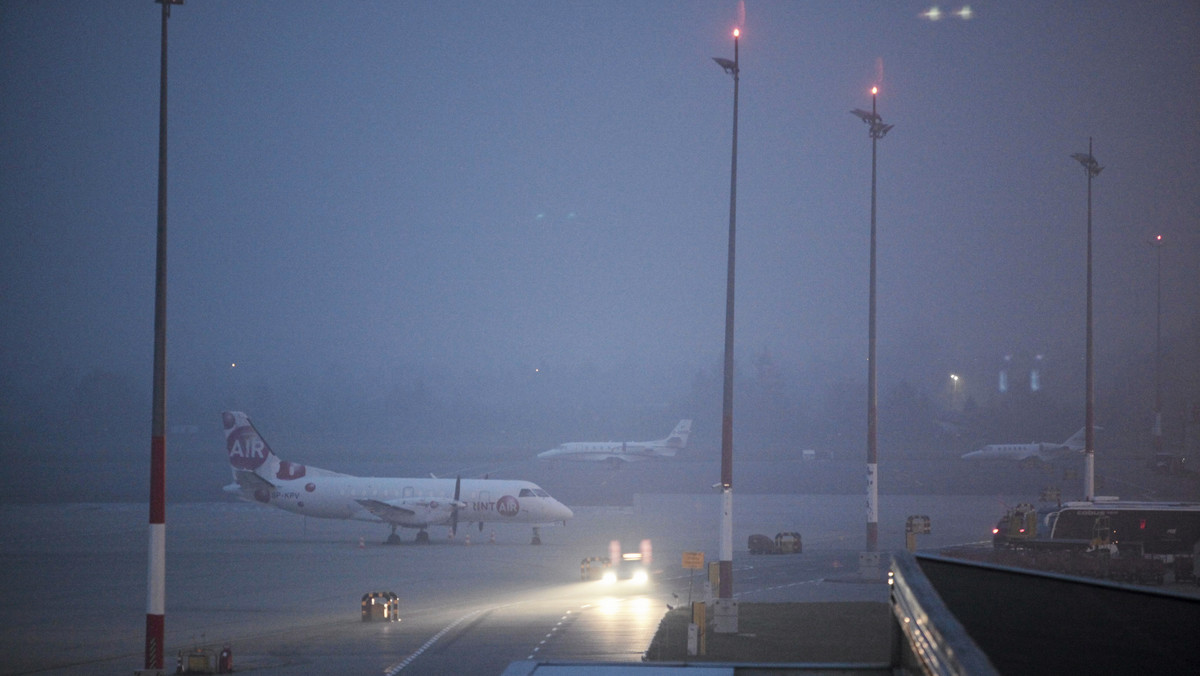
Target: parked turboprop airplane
column 616, row 452
column 259, row 475
column 1044, row 451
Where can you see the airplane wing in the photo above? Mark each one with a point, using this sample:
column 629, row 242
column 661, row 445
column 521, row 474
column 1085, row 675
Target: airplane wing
column 1060, row 450
column 387, row 512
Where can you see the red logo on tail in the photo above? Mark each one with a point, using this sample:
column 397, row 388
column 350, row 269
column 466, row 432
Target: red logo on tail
column 246, row 449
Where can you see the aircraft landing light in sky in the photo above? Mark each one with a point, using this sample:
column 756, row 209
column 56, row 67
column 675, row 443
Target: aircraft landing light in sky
column 261, row 476
column 616, row 452
column 1042, row 450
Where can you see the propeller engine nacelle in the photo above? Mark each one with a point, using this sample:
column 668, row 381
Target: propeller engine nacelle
column 419, row 512
column 422, row 512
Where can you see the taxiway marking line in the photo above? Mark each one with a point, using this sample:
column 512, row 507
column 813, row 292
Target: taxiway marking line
column 397, row 667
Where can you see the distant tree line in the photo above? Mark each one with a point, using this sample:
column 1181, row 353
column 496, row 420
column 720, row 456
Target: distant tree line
column 780, row 409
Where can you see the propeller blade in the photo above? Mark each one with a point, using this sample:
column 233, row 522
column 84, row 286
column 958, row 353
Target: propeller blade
column 454, row 509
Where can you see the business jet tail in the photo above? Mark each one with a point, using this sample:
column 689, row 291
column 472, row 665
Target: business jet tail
column 676, row 440
column 1077, row 441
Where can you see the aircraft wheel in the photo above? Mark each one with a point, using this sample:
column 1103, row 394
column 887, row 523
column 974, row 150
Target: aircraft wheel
column 422, row 538
column 392, row 539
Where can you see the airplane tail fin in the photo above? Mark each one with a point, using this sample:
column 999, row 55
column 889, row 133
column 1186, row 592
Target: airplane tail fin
column 249, row 452
column 1077, row 441
column 677, row 439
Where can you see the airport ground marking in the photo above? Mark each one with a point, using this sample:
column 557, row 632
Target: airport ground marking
column 561, row 621
column 397, row 667
column 782, row 586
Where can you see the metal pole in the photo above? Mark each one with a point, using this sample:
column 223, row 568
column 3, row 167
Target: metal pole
column 877, row 130
column 1089, row 487
column 872, row 388
column 1157, row 431
column 156, row 574
column 1092, row 168
column 725, row 565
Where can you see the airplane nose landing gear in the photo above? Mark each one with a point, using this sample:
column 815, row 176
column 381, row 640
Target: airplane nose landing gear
column 537, row 540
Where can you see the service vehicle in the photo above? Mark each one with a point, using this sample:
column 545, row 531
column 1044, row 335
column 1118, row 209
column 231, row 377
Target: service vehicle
column 1163, row 529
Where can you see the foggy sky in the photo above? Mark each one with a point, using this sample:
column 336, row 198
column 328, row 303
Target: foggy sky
column 484, row 189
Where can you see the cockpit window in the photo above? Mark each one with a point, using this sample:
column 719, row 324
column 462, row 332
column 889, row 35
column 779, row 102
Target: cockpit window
column 541, row 493
column 526, row 493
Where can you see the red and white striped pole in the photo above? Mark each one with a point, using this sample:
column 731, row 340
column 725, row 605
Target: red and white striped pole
column 157, row 569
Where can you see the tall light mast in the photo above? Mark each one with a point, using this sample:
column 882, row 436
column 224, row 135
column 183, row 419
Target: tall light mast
column 877, row 130
column 1092, row 168
column 726, row 612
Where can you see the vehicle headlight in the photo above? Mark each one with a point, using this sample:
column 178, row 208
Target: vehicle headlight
column 608, row 577
column 640, row 577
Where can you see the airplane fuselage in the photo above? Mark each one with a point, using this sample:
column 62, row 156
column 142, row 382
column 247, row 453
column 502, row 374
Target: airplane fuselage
column 261, row 476
column 617, row 452
column 1043, row 451
column 583, row 450
column 1026, row 453
column 430, row 500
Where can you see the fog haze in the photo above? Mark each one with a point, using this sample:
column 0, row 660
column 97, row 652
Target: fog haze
column 503, row 226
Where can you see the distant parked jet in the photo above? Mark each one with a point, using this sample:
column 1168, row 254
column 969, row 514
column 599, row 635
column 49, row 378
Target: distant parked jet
column 617, row 452
column 1041, row 450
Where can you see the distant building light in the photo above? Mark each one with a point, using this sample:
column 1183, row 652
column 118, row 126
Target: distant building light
column 1035, row 383
column 1003, row 385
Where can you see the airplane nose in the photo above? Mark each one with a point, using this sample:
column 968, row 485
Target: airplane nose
column 565, row 512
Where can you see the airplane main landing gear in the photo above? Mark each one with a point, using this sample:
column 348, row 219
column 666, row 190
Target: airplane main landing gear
column 537, row 540
column 392, row 539
column 422, row 537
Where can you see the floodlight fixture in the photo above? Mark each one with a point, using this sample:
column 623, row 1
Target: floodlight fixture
column 1089, row 162
column 865, row 115
column 876, row 128
column 167, row 5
